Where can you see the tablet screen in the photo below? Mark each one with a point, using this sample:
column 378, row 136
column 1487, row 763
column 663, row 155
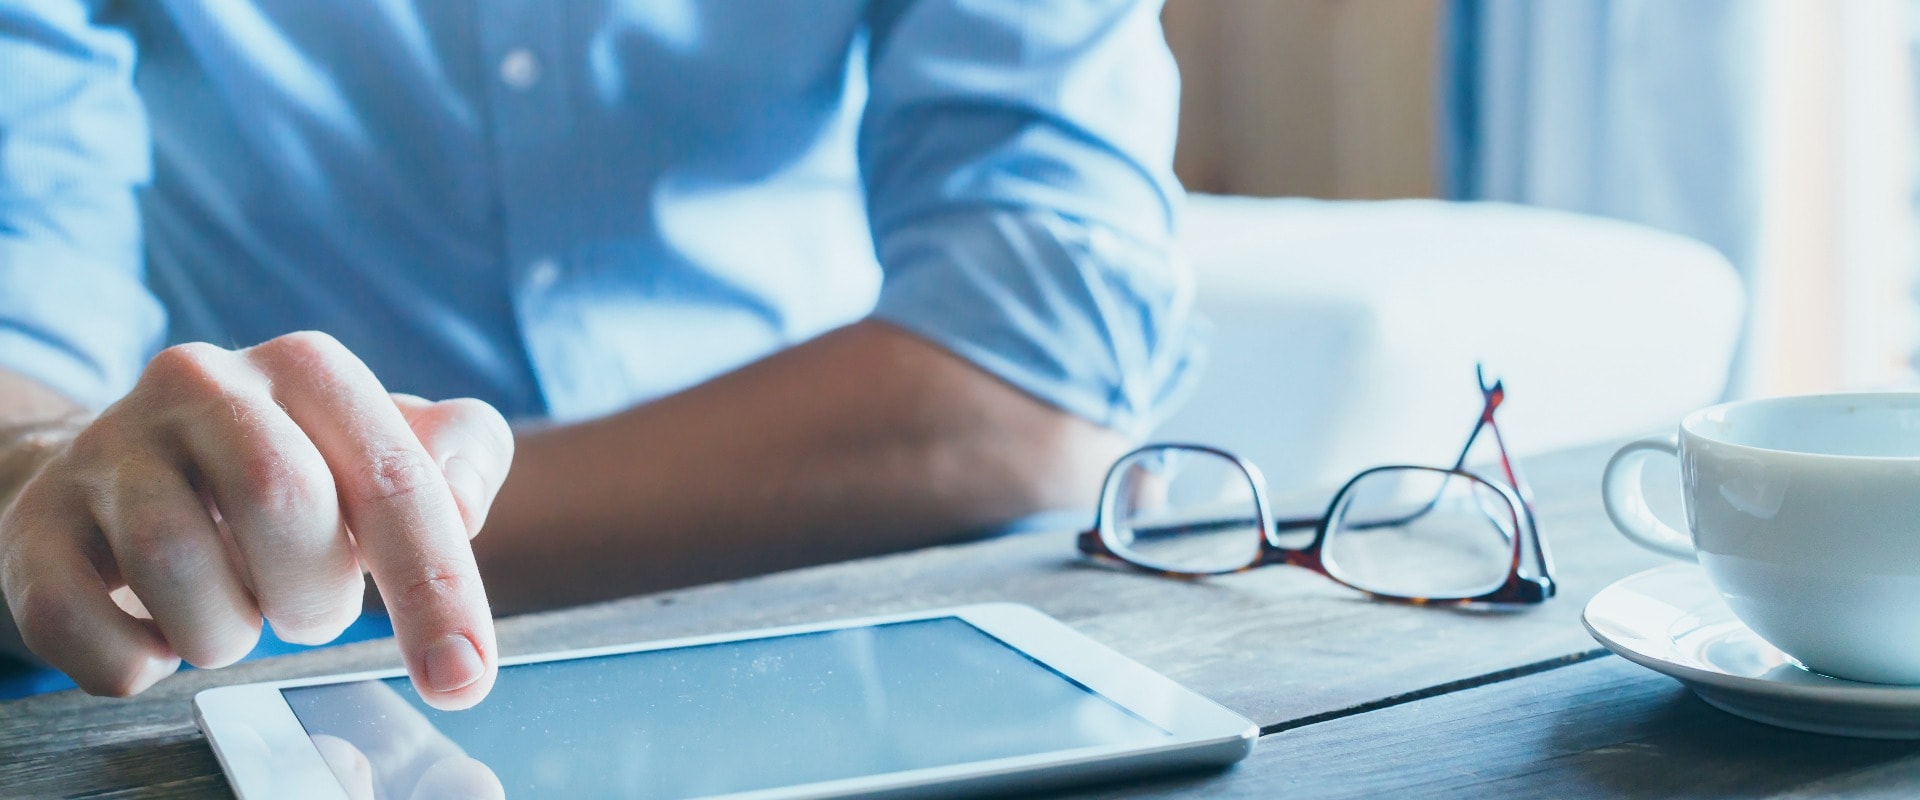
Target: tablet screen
column 726, row 717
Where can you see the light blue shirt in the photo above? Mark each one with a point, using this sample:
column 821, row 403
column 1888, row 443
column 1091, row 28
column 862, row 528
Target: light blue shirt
column 566, row 208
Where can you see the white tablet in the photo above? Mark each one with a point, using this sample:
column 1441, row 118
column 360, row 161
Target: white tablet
column 980, row 699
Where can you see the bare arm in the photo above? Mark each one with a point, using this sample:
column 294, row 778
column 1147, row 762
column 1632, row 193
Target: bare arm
column 863, row 441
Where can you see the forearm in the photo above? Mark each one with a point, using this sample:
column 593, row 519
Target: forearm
column 866, row 440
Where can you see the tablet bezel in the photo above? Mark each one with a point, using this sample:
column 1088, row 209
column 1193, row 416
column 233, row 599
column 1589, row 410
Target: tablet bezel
column 265, row 751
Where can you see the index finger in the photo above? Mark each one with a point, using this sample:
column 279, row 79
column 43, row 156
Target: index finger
column 401, row 513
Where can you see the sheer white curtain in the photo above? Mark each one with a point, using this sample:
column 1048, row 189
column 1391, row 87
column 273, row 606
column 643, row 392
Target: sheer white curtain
column 1779, row 131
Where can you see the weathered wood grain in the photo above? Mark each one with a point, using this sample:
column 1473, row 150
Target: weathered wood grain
column 1603, row 729
column 1278, row 645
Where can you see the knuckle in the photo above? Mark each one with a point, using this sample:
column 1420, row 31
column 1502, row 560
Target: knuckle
column 96, row 443
column 434, row 586
column 191, row 368
column 159, row 561
column 188, row 357
column 316, row 343
column 280, row 488
column 396, row 474
column 184, row 382
column 305, row 350
column 102, row 466
column 131, row 495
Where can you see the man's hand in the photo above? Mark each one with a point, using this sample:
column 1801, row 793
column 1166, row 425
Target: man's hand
column 228, row 486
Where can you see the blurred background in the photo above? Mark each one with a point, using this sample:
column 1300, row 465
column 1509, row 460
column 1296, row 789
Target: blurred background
column 1780, row 132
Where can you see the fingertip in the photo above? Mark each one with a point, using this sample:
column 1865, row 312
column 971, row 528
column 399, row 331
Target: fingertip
column 454, row 674
column 453, row 663
column 134, row 677
column 214, row 652
column 83, row 634
column 460, row 699
column 152, row 669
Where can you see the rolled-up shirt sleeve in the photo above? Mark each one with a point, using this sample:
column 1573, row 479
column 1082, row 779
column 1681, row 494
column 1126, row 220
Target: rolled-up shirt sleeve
column 75, row 313
column 1017, row 161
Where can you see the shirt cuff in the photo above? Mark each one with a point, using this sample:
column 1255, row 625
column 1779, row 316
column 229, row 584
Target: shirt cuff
column 80, row 327
column 1074, row 314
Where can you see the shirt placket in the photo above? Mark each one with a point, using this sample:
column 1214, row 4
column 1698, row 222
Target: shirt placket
column 531, row 121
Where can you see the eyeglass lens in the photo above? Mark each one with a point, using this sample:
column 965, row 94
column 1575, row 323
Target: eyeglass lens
column 1419, row 532
column 1183, row 510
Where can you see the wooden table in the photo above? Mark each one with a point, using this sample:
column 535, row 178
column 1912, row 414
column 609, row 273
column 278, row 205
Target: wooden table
column 1354, row 698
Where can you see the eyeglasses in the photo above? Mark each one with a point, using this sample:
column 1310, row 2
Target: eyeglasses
column 1409, row 534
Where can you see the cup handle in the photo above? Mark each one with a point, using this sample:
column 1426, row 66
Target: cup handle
column 1627, row 507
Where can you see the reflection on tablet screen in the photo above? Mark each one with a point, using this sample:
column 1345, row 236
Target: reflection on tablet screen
column 712, row 719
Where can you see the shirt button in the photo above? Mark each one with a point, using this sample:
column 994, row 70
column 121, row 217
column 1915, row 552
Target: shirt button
column 520, row 69
column 543, row 274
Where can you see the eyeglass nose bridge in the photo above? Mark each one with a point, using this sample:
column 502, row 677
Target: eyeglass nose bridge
column 1306, row 557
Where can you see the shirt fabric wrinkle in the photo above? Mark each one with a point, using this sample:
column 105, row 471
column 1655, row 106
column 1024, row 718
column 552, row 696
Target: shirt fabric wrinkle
column 567, row 207
column 552, row 235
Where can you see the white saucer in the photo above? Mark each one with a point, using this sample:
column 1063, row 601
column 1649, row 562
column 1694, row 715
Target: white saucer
column 1670, row 620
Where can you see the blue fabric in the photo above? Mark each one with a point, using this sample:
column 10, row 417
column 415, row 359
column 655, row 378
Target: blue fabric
column 20, row 679
column 566, row 208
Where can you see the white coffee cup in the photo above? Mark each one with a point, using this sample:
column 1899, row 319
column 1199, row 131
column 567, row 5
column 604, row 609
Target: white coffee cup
column 1805, row 514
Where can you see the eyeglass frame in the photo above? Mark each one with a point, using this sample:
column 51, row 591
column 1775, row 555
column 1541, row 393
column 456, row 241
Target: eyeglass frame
column 1517, row 589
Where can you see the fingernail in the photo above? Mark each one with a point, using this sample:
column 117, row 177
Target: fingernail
column 453, row 664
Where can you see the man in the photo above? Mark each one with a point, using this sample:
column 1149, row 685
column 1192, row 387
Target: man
column 787, row 283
